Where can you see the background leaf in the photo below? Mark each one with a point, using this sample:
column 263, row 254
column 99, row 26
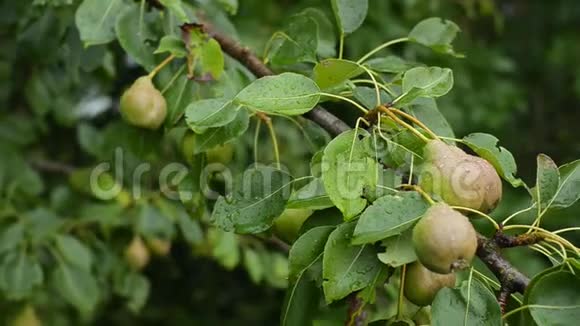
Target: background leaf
column 435, row 33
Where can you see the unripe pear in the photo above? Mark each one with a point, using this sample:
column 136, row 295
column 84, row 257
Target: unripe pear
column 444, row 239
column 458, row 178
column 221, row 154
column 26, row 317
column 421, row 285
column 142, row 105
column 137, row 254
column 288, row 224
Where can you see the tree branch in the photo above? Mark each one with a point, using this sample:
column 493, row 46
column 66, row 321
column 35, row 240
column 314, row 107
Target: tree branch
column 52, row 166
column 511, row 279
column 319, row 115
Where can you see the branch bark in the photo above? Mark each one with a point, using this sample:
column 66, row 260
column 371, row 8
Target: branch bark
column 319, row 115
column 489, row 250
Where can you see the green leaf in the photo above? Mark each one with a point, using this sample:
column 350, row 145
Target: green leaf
column 287, row 94
column 179, row 95
column 332, row 72
column 134, row 287
column 20, row 274
column 212, row 58
column 426, row 111
column 311, row 196
column 306, row 252
column 173, row 45
column 176, row 8
column 77, row 286
column 300, row 303
column 485, row 145
column 213, row 137
column 425, row 82
column 389, row 215
column 347, row 268
column 74, row 251
column 435, row 33
column 547, row 180
column 231, row 6
column 225, row 247
column 296, row 43
column 554, row 298
column 367, row 96
column 347, row 170
column 569, row 190
column 389, row 64
column 11, row 237
column 90, row 139
column 210, row 113
column 190, row 229
column 96, row 19
column 471, row 304
column 41, row 225
column 259, row 196
column 151, row 223
column 276, row 265
column 253, row 265
column 399, row 250
column 133, row 35
column 349, row 14
column 326, row 35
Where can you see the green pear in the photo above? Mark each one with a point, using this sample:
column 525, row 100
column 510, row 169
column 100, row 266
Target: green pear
column 142, row 105
column 136, row 254
column 458, row 178
column 421, row 285
column 221, row 154
column 444, row 239
column 287, row 225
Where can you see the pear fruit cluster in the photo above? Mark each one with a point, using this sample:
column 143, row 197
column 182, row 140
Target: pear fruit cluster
column 142, row 105
column 444, row 239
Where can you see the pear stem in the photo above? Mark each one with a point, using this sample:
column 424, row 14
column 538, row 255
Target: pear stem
column 256, row 139
column 402, row 286
column 274, row 141
column 489, row 218
column 160, row 66
column 420, row 191
column 403, row 123
column 415, row 121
